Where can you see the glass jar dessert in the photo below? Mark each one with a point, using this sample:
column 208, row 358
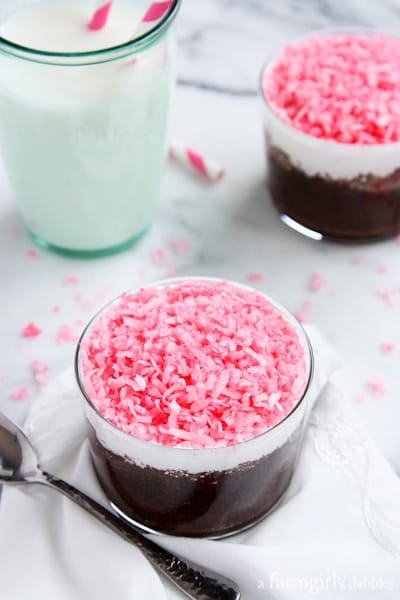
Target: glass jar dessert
column 331, row 108
column 195, row 394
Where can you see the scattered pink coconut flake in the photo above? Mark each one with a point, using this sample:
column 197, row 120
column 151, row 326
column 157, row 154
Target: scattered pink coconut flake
column 178, row 246
column 388, row 347
column 79, row 322
column 98, row 299
column 303, row 314
column 317, row 282
column 160, row 257
column 31, row 331
column 65, row 334
column 360, row 398
column 339, row 87
column 170, row 273
column 357, row 260
column 397, row 239
column 376, row 386
column 255, row 277
column 32, row 253
column 72, row 280
column 197, row 364
column 56, row 308
column 40, row 372
column 2, row 379
column 13, row 230
column 20, row 394
column 389, row 295
column 383, row 269
column 143, row 273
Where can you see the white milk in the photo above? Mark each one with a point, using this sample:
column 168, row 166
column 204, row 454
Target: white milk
column 83, row 145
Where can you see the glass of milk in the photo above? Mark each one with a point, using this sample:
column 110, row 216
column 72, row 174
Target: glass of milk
column 83, row 119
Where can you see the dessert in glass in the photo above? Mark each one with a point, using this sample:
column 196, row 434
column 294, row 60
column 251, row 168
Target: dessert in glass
column 331, row 108
column 195, row 393
column 83, row 119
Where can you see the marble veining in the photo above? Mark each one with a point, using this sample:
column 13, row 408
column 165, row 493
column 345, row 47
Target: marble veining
column 222, row 43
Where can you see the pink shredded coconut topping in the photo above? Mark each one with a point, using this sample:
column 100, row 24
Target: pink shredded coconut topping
column 196, row 364
column 341, row 87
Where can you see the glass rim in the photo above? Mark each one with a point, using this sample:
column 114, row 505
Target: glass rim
column 140, row 42
column 321, row 32
column 304, row 340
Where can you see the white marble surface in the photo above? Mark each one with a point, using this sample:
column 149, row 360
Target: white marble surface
column 231, row 227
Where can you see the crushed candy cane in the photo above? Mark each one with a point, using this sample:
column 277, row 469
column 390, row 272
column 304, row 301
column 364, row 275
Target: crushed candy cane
column 196, row 364
column 31, row 331
column 339, row 87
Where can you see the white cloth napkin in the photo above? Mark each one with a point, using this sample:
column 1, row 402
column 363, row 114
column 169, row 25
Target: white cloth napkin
column 336, row 534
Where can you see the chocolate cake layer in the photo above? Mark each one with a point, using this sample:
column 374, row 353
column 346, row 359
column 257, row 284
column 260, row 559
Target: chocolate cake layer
column 363, row 208
column 210, row 503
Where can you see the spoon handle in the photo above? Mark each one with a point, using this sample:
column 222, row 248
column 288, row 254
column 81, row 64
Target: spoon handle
column 193, row 580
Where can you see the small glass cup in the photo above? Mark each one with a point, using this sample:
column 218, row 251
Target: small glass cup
column 212, row 492
column 83, row 135
column 326, row 189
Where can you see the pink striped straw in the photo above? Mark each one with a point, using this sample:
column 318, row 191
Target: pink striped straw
column 195, row 161
column 153, row 15
column 100, row 16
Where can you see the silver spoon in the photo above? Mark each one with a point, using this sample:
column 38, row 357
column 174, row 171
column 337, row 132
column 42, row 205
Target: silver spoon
column 19, row 464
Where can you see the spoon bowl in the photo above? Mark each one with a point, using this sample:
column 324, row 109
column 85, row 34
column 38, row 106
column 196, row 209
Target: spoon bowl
column 18, row 460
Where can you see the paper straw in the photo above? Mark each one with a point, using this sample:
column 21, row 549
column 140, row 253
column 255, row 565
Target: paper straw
column 153, row 15
column 195, row 161
column 100, row 16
